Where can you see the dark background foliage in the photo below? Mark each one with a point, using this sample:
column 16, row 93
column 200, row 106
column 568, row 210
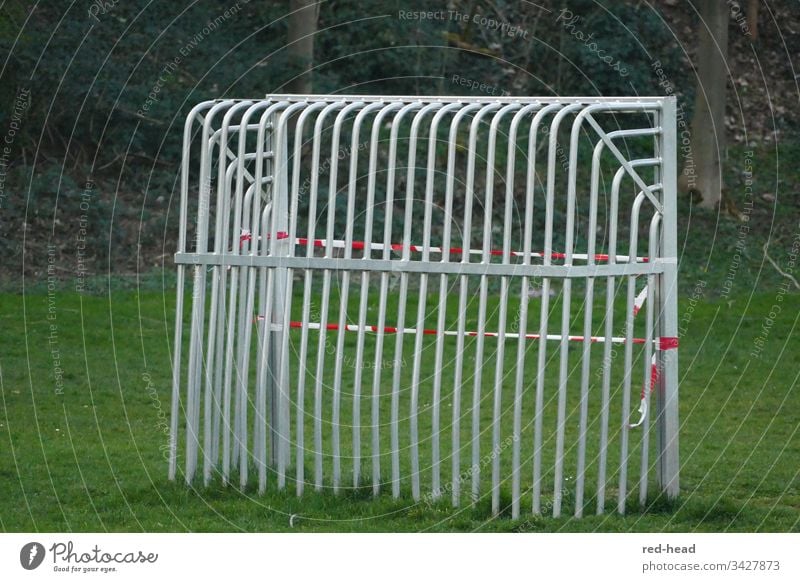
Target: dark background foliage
column 110, row 84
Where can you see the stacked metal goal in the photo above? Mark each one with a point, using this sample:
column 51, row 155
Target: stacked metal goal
column 371, row 275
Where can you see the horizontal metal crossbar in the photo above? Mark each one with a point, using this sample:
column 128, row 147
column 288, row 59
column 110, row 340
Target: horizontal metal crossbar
column 651, row 102
column 437, row 268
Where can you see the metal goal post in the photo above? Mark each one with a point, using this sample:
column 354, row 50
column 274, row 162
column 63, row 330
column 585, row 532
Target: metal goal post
column 439, row 297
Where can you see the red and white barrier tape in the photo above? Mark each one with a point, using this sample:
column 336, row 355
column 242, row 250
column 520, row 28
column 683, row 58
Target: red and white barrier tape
column 361, row 245
column 639, row 301
column 660, row 343
column 642, row 399
column 664, row 343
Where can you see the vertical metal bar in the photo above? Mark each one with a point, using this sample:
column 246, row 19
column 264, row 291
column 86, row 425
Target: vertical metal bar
column 487, row 248
column 591, row 238
column 178, row 337
column 302, row 360
column 258, row 217
column 238, row 302
column 232, row 320
column 176, row 371
column 667, row 463
column 227, row 320
column 326, row 282
column 244, row 333
column 265, row 363
column 216, row 294
column 213, row 318
column 566, row 290
column 196, row 361
column 462, row 306
column 282, row 245
column 312, row 219
column 270, row 355
column 530, row 177
column 626, row 397
column 193, row 116
column 387, row 241
column 311, row 228
column 626, row 390
column 613, row 220
column 234, row 301
column 224, row 316
column 428, row 209
column 240, row 320
column 648, row 355
column 270, row 289
column 218, row 354
column 523, row 315
column 436, row 400
column 368, row 227
column 343, row 300
column 264, row 371
column 362, row 308
column 547, row 259
column 479, row 359
column 407, row 222
column 443, row 293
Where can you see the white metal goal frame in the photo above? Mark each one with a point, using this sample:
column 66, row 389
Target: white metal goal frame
column 408, row 172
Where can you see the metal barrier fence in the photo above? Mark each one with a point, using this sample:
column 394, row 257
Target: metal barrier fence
column 446, row 233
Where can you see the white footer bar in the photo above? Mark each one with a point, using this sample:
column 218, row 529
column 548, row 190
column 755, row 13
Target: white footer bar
column 400, row 557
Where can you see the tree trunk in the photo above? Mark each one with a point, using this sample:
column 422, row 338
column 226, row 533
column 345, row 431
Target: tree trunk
column 752, row 19
column 708, row 124
column 300, row 43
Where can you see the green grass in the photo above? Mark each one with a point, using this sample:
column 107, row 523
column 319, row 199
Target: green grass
column 90, row 458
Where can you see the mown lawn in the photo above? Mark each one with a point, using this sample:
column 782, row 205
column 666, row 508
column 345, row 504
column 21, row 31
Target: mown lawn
column 86, row 455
